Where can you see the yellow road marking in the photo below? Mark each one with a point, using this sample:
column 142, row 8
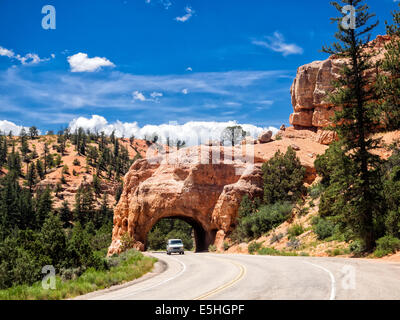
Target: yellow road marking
column 227, row 285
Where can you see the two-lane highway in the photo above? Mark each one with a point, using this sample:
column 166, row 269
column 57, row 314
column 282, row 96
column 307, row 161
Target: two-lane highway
column 245, row 277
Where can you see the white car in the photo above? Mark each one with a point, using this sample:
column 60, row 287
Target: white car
column 175, row 246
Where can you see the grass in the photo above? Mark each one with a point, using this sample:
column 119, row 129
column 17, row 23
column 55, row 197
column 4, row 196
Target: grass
column 275, row 252
column 131, row 265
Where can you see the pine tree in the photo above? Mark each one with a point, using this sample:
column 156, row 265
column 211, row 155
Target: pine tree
column 44, row 206
column 66, row 216
column 283, row 177
column 31, row 176
column 40, row 169
column 356, row 119
column 54, row 240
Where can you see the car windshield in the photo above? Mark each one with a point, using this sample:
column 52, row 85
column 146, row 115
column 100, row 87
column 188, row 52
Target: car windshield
column 175, row 242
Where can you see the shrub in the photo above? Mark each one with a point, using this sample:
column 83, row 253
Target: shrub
column 226, row 245
column 295, row 230
column 274, row 252
column 294, row 244
column 357, row 247
column 261, row 221
column 316, row 190
column 127, row 242
column 283, row 177
column 254, row 247
column 276, row 238
column 386, row 245
column 212, row 248
column 323, row 228
column 76, row 162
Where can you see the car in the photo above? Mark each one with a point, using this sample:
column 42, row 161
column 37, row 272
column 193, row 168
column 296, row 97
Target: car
column 175, row 246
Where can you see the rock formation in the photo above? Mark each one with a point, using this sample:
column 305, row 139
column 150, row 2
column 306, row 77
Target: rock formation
column 311, row 88
column 200, row 185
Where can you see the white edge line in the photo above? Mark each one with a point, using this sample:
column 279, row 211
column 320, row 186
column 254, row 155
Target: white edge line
column 156, row 285
column 333, row 282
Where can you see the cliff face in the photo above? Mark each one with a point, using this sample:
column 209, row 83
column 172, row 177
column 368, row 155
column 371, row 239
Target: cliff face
column 311, row 88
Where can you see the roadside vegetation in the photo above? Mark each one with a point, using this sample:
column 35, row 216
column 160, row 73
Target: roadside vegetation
column 126, row 267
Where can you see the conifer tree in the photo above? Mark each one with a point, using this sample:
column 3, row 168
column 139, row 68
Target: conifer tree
column 354, row 122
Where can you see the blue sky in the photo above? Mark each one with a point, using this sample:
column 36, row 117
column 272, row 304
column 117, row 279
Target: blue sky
column 151, row 62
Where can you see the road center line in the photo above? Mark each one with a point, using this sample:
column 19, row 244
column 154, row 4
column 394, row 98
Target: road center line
column 227, row 285
column 157, row 284
column 333, row 282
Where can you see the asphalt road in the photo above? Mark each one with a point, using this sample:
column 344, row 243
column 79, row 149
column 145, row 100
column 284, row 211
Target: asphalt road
column 207, row 276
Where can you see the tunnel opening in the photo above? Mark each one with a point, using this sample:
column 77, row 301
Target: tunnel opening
column 192, row 233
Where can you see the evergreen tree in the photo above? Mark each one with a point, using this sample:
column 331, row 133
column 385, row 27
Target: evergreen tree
column 40, row 169
column 283, row 177
column 54, row 240
column 44, row 206
column 31, row 176
column 66, row 215
column 356, row 119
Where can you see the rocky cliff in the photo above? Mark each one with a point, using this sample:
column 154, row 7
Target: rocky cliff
column 311, row 88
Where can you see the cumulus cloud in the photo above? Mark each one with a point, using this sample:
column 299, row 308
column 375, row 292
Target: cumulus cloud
column 185, row 91
column 189, row 13
column 29, row 58
column 193, row 132
column 80, row 62
column 277, row 43
column 189, row 69
column 138, row 96
column 7, row 126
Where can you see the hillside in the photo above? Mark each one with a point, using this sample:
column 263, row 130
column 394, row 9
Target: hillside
column 70, row 170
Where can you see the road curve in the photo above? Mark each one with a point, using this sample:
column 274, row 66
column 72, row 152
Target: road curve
column 207, row 276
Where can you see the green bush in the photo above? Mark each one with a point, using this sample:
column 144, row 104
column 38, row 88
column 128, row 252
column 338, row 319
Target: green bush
column 254, row 247
column 261, row 221
column 226, row 245
column 357, row 247
column 386, row 245
column 316, row 190
column 295, row 230
column 283, row 177
column 212, row 248
column 276, row 238
column 323, row 228
column 275, row 252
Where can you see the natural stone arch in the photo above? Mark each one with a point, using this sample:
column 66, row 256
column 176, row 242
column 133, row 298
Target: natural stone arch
column 203, row 236
column 208, row 195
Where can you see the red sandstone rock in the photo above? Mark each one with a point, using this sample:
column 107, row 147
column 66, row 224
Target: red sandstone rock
column 311, row 88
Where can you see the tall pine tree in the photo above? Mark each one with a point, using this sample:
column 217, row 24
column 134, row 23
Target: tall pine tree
column 354, row 122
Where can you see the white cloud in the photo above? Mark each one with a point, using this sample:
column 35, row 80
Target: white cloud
column 189, row 13
column 7, row 126
column 5, row 52
column 192, row 132
column 30, row 58
column 138, row 96
column 185, row 91
column 156, row 95
column 277, row 43
column 80, row 62
column 189, row 69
